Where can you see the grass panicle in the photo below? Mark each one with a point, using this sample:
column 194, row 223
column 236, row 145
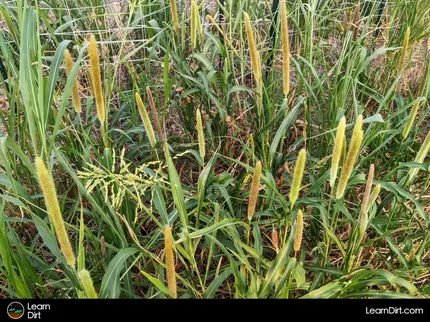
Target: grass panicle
column 337, row 150
column 374, row 195
column 348, row 165
column 363, row 216
column 170, row 261
column 145, row 119
column 355, row 21
column 297, row 177
column 96, row 79
column 255, row 55
column 196, row 25
column 285, row 49
column 174, row 13
column 87, row 284
column 404, row 51
column 299, row 231
column 154, row 113
column 255, row 64
column 76, row 100
column 53, row 208
column 253, row 193
column 201, row 135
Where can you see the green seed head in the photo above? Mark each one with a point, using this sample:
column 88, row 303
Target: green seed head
column 337, row 150
column 297, row 177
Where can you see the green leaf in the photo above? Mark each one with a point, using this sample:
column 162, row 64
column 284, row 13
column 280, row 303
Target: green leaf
column 300, row 275
column 275, row 271
column 374, row 118
column 111, row 284
column 394, row 188
column 330, row 290
column 214, row 227
column 178, row 196
column 157, row 283
column 285, row 125
column 216, row 283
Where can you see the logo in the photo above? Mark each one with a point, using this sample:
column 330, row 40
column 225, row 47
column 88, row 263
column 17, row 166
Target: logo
column 15, row 310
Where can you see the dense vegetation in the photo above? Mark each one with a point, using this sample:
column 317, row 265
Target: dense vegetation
column 235, row 149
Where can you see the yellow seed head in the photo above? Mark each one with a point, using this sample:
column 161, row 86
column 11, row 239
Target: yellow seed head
column 421, row 155
column 366, row 197
column 145, row 119
column 75, row 90
column 255, row 55
column 87, row 284
column 253, row 193
column 96, row 79
column 299, row 231
column 174, row 12
column 201, row 136
column 363, row 216
column 53, row 208
column 405, row 48
column 343, row 153
column 374, row 195
column 170, row 261
column 337, row 150
column 198, row 23
column 297, row 177
column 195, row 23
column 285, row 48
column 354, row 148
column 154, row 114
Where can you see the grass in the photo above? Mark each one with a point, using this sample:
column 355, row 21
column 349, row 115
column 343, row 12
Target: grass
column 282, row 167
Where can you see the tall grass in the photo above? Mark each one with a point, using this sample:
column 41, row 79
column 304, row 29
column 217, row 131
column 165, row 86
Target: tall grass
column 173, row 201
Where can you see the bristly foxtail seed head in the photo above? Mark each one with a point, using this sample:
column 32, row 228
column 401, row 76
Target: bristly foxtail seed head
column 68, row 61
column 96, row 79
column 299, row 231
column 297, row 177
column 145, row 119
column 354, row 149
column 285, row 48
column 374, row 195
column 255, row 55
column 155, row 114
column 405, row 48
column 201, row 135
column 337, row 150
column 174, row 12
column 170, row 261
column 198, row 21
column 53, row 208
column 193, row 24
column 253, row 193
column 87, row 284
column 363, row 216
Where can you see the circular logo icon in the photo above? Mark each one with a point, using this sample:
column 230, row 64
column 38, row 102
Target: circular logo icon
column 15, row 310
